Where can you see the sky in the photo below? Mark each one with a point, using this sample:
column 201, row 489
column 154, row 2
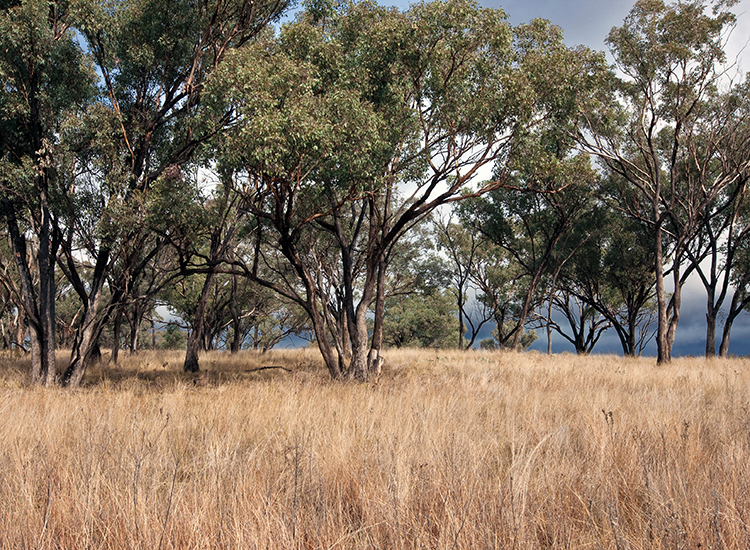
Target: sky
column 588, row 22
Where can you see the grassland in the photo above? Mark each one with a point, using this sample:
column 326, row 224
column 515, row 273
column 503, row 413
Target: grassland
column 445, row 450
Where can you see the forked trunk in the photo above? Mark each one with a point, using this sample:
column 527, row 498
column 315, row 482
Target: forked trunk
column 84, row 350
column 40, row 312
column 86, row 344
column 734, row 310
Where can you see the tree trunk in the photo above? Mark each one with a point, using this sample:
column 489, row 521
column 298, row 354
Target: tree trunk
column 86, row 342
column 47, row 254
column 735, row 309
column 711, row 331
column 630, row 337
column 460, row 319
column 516, row 345
column 195, row 338
column 375, row 360
column 334, row 363
column 84, row 347
column 135, row 329
column 549, row 328
column 664, row 354
column 136, row 320
column 675, row 306
column 42, row 370
column 237, row 339
column 116, row 329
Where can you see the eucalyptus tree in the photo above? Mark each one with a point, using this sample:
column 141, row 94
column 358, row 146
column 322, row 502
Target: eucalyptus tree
column 741, row 295
column 463, row 248
column 425, row 318
column 152, row 57
column 612, row 273
column 535, row 225
column 670, row 58
column 44, row 80
column 719, row 147
column 370, row 119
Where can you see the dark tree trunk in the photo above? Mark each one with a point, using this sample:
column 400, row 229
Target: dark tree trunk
column 675, row 305
column 237, row 337
column 196, row 335
column 711, row 331
column 739, row 300
column 40, row 323
column 116, row 329
column 375, row 360
column 47, row 253
column 526, row 308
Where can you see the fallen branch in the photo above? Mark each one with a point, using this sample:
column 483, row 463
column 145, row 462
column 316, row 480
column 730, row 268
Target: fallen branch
column 270, row 367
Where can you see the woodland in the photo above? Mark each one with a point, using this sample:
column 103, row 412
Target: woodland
column 217, row 174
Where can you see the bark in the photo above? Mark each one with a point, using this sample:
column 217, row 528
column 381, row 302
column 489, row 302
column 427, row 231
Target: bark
column 334, row 362
column 84, row 348
column 237, row 340
column 47, row 253
column 195, row 338
column 116, row 330
column 549, row 327
column 663, row 351
column 92, row 323
column 460, row 319
column 375, row 360
column 42, row 361
column 675, row 305
column 629, row 351
column 135, row 329
column 739, row 301
column 526, row 309
column 711, row 330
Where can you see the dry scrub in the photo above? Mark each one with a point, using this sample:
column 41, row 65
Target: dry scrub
column 446, row 450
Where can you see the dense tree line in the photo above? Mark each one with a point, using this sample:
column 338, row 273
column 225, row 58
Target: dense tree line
column 362, row 177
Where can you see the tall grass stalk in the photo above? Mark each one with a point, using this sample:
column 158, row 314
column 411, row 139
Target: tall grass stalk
column 446, row 450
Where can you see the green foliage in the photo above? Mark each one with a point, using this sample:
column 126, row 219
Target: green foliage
column 421, row 320
column 488, row 344
column 173, row 337
column 46, row 79
column 527, row 337
column 335, row 136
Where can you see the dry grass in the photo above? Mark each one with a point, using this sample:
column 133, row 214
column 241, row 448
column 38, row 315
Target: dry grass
column 446, row 450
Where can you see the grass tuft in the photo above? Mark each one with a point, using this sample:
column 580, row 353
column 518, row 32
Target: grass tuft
column 446, row 450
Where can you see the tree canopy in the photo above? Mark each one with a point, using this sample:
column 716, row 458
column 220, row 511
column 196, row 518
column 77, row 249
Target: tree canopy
column 258, row 180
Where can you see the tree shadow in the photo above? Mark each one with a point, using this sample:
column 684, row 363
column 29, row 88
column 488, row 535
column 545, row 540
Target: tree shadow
column 155, row 370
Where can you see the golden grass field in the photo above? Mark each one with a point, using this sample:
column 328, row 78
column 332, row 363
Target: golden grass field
column 446, row 450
